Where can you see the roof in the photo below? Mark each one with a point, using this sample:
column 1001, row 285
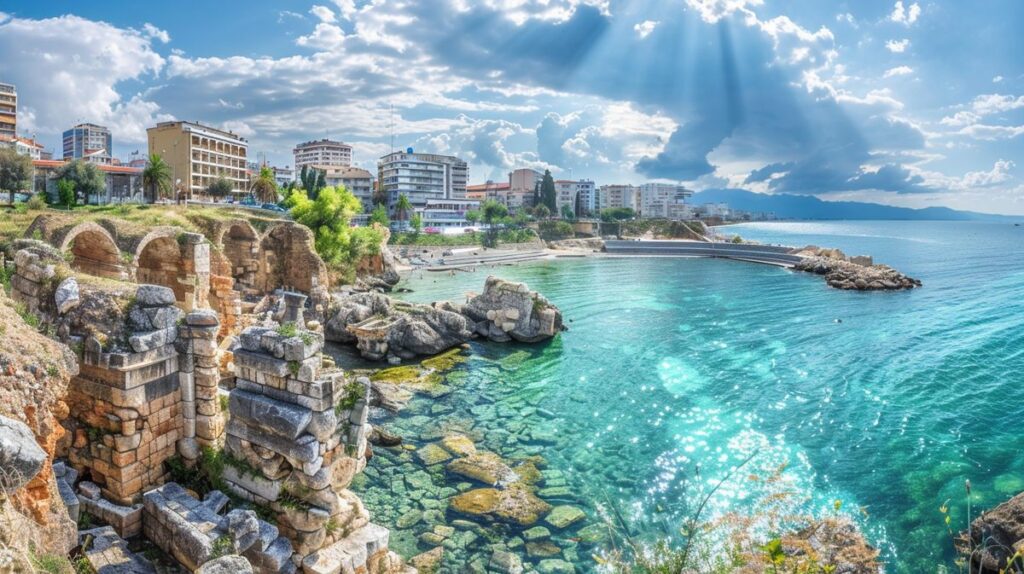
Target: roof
column 487, row 186
column 346, row 172
column 57, row 163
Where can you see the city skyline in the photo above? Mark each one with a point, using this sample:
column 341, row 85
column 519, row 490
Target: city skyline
column 844, row 101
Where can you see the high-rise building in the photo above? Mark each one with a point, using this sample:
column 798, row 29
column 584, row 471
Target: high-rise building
column 322, row 154
column 664, row 200
column 578, row 195
column 88, row 142
column 199, row 154
column 421, row 177
column 523, row 183
column 8, row 112
column 619, row 196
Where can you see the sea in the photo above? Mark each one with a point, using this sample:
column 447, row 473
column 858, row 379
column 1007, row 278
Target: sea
column 758, row 389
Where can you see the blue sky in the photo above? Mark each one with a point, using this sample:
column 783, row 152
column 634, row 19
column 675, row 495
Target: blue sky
column 907, row 103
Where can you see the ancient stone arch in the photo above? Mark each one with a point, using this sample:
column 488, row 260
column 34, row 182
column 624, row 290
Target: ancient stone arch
column 178, row 260
column 288, row 260
column 93, row 251
column 240, row 246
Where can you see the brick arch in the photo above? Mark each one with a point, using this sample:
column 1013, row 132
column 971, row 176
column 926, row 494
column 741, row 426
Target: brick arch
column 239, row 244
column 93, row 251
column 175, row 259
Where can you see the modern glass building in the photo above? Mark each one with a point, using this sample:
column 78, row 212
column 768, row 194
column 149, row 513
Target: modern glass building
column 89, row 142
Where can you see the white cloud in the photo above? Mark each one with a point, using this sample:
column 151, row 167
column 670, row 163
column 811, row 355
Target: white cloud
column 905, row 16
column 1000, row 173
column 68, row 69
column 324, row 13
column 346, row 7
column 324, row 37
column 848, row 18
column 153, row 32
column 897, row 46
column 997, row 79
column 645, row 28
column 992, row 133
column 898, row 71
column 961, row 118
column 996, row 103
column 711, row 11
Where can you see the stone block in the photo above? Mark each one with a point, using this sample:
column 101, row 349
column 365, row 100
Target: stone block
column 268, row 414
column 154, row 296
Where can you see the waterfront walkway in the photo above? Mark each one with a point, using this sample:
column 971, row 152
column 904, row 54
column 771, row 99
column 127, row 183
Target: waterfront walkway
column 768, row 254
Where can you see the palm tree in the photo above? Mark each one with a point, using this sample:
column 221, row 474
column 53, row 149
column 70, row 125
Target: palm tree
column 403, row 206
column 265, row 188
column 157, row 175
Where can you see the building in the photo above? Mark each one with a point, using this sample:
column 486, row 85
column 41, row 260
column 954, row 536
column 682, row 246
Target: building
column 283, row 175
column 612, row 196
column 358, row 181
column 31, row 148
column 88, row 142
column 664, row 200
column 323, row 154
column 421, row 177
column 8, row 112
column 199, row 154
column 714, row 210
column 524, row 184
column 123, row 183
column 579, row 196
column 490, row 190
column 440, row 215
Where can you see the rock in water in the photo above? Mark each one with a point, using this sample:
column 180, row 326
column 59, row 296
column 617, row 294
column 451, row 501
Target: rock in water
column 511, row 311
column 21, row 458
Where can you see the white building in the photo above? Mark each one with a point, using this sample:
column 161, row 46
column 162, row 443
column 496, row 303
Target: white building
column 447, row 215
column 578, row 195
column 283, row 175
column 358, row 181
column 619, row 196
column 663, row 200
column 322, row 153
column 421, row 177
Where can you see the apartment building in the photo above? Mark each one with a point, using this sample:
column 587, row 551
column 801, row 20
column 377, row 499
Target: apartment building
column 8, row 112
column 492, row 190
column 89, row 142
column 447, row 214
column 322, row 154
column 523, row 184
column 358, row 181
column 199, row 154
column 421, row 177
column 664, row 200
column 578, row 195
column 283, row 175
column 619, row 196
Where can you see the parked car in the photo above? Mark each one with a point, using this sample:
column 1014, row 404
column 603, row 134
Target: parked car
column 273, row 207
column 248, row 201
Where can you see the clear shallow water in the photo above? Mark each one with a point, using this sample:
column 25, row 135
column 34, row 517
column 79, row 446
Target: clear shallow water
column 675, row 370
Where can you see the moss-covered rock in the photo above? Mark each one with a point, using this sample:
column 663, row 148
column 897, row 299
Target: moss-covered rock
column 515, row 505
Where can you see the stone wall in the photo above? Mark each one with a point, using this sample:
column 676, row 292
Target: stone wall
column 297, row 436
column 126, row 406
column 36, row 274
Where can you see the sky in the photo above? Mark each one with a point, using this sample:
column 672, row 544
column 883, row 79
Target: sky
column 915, row 104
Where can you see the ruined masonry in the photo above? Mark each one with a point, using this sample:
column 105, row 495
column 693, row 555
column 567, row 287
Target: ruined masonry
column 297, row 436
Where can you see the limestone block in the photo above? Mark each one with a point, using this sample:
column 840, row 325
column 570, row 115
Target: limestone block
column 66, row 296
column 258, row 485
column 270, row 415
column 154, row 296
column 230, row 564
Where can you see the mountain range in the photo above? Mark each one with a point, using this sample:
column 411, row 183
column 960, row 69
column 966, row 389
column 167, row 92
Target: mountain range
column 788, row 206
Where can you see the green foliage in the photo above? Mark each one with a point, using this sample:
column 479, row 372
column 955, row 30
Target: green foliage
column 156, row 177
column 474, row 216
column 222, row 546
column 541, row 211
column 66, row 193
column 223, row 400
column 379, row 215
column 328, row 216
column 30, row 318
column 354, row 391
column 416, row 223
column 207, row 473
column 86, row 177
column 514, row 235
column 312, row 181
column 36, row 202
column 288, row 330
column 737, row 239
column 265, row 187
column 50, row 563
column 555, row 230
column 567, row 213
column 220, row 187
column 617, row 214
column 547, row 191
column 15, row 172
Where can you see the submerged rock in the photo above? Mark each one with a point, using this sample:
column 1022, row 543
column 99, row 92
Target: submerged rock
column 485, row 467
column 516, row 505
column 563, row 516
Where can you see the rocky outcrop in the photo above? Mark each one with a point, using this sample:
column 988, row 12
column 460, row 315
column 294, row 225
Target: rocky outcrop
column 858, row 273
column 994, row 536
column 585, row 244
column 381, row 326
column 21, row 459
column 508, row 311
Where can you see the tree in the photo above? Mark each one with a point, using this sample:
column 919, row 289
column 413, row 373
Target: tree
column 417, row 223
column 541, row 211
column 86, row 177
column 265, row 188
column 66, row 193
column 617, row 214
column 547, row 191
column 379, row 215
column 329, row 216
column 156, row 177
column 473, row 216
column 402, row 207
column 312, row 180
column 15, row 172
column 220, row 187
column 567, row 213
column 493, row 214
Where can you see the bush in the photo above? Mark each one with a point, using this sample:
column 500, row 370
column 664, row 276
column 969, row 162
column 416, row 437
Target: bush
column 36, row 202
column 555, row 230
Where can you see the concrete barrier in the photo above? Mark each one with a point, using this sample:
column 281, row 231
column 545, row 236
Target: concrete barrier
column 769, row 254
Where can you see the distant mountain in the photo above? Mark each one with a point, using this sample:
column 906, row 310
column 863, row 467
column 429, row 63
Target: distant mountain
column 787, row 206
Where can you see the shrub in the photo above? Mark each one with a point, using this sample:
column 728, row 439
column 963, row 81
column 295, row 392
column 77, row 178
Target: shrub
column 555, row 230
column 36, row 202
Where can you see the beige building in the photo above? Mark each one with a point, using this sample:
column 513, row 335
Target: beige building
column 619, row 196
column 199, row 154
column 8, row 112
column 322, row 154
column 358, row 181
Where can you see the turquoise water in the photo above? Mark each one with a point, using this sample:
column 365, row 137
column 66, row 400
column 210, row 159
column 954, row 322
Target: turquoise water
column 676, row 370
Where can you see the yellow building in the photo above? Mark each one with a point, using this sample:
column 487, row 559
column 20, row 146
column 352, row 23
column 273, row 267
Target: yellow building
column 199, row 154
